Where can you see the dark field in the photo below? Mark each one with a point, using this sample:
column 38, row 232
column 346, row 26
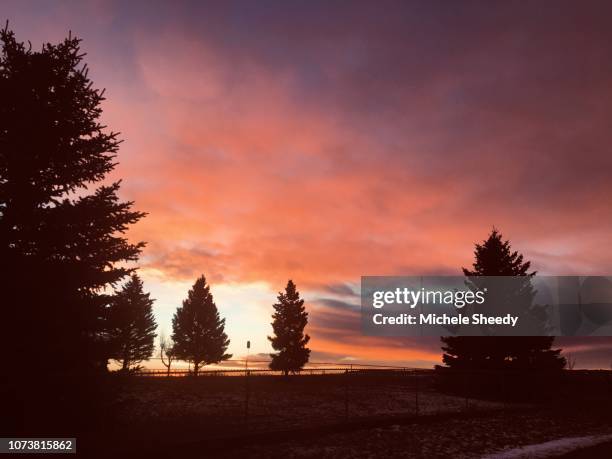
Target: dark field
column 358, row 414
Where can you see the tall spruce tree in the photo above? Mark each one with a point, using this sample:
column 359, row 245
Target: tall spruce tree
column 133, row 326
column 289, row 319
column 197, row 329
column 494, row 257
column 61, row 229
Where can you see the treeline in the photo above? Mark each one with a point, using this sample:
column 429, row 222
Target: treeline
column 63, row 225
column 198, row 332
column 71, row 298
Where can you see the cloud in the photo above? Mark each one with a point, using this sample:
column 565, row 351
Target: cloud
column 326, row 164
column 335, row 326
column 341, row 289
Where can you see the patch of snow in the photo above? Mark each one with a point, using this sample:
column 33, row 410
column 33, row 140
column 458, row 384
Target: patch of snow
column 550, row 448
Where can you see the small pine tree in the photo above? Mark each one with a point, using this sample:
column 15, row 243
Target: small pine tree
column 132, row 324
column 289, row 319
column 197, row 330
column 494, row 257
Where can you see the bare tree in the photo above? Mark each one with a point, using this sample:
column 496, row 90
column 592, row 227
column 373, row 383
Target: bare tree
column 165, row 351
column 570, row 361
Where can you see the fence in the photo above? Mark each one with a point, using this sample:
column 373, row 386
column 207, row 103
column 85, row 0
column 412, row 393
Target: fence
column 235, row 372
column 260, row 367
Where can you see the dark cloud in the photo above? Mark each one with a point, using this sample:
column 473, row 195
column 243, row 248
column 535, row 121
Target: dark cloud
column 338, row 321
column 340, row 289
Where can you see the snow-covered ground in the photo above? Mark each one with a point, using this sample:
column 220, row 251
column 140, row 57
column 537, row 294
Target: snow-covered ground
column 286, row 405
column 182, row 410
column 471, row 437
column 550, row 448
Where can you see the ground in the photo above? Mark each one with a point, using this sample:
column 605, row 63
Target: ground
column 360, row 415
column 456, row 438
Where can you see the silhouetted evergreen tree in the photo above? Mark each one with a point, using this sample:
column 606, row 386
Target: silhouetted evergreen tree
column 54, row 231
column 289, row 319
column 494, row 257
column 61, row 225
column 133, row 326
column 198, row 331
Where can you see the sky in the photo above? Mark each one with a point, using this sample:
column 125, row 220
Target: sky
column 323, row 141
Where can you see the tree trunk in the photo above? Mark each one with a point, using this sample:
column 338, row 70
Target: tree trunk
column 196, row 366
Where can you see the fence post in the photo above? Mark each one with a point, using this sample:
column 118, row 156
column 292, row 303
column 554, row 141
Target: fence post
column 247, row 396
column 502, row 385
column 346, row 395
column 466, row 382
column 416, row 392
